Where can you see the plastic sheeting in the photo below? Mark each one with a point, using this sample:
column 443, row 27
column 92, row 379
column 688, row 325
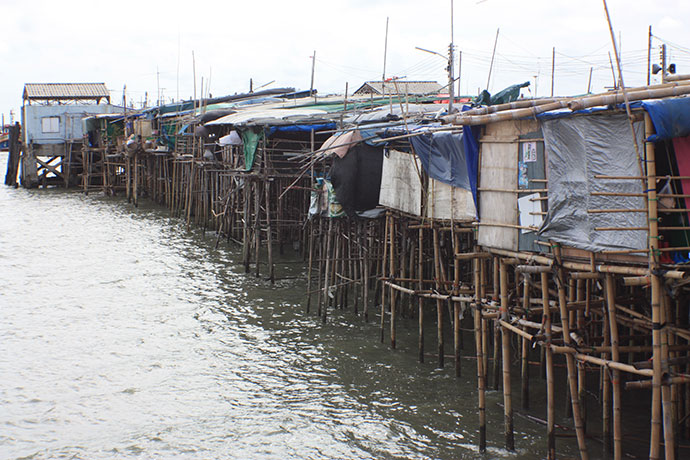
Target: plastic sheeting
column 509, row 94
column 356, row 178
column 340, row 143
column 443, row 157
column 231, row 139
column 401, row 184
column 316, row 127
column 580, row 148
column 470, row 134
column 671, row 117
column 250, row 139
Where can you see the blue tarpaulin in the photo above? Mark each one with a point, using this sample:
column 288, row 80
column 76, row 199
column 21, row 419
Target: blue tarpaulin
column 470, row 134
column 300, row 128
column 443, row 157
column 671, row 117
column 450, row 158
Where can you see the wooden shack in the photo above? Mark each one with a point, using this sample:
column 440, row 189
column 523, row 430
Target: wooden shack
column 53, row 135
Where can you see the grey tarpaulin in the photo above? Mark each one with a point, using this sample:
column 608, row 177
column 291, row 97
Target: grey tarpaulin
column 578, row 149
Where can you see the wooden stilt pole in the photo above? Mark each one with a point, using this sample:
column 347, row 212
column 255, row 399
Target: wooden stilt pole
column 478, row 343
column 420, row 285
column 439, row 303
column 365, row 270
column 656, row 421
column 310, row 265
column 548, row 357
column 327, row 272
column 525, row 346
column 269, row 232
column 581, row 370
column 393, row 293
column 570, row 360
column 246, row 254
column 457, row 338
column 384, row 274
column 505, row 341
column 322, row 271
column 606, row 390
column 615, row 356
column 135, row 192
column 666, row 396
column 495, row 364
column 257, row 226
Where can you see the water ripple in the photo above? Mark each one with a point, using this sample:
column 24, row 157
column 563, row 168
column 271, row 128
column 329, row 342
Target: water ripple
column 124, row 336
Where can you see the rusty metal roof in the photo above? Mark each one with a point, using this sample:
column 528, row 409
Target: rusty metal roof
column 58, row 91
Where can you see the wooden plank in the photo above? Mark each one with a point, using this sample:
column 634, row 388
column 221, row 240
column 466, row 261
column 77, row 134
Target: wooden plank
column 401, row 187
column 498, row 168
column 49, row 167
column 447, row 202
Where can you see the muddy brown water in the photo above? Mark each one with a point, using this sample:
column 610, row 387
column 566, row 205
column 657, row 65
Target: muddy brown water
column 122, row 335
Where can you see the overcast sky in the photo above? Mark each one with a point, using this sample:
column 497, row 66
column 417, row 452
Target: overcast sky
column 148, row 45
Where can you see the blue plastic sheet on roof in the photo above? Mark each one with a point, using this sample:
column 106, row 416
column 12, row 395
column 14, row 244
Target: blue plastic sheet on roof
column 300, row 128
column 671, row 117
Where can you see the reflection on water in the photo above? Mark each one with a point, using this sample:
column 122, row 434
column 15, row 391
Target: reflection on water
column 123, row 336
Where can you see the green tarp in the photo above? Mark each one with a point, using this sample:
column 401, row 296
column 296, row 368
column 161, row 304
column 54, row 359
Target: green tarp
column 250, row 139
column 509, row 94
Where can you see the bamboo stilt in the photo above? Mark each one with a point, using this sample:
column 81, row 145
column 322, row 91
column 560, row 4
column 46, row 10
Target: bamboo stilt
column 505, row 336
column 420, row 284
column 310, row 265
column 384, row 274
column 319, row 300
column 570, row 361
column 548, row 355
column 457, row 337
column 524, row 355
column 327, row 272
column 393, row 295
column 439, row 304
column 656, row 422
column 615, row 356
column 269, row 233
column 478, row 343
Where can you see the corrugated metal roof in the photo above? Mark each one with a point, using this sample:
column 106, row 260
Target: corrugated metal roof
column 47, row 91
column 400, row 87
column 273, row 116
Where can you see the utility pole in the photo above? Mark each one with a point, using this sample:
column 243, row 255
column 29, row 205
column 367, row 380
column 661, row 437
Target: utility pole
column 459, row 72
column 194, row 76
column 649, row 57
column 613, row 73
column 491, row 66
column 451, row 62
column 663, row 63
column 385, row 55
column 313, row 64
column 589, row 84
column 451, row 80
column 553, row 68
column 124, row 104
